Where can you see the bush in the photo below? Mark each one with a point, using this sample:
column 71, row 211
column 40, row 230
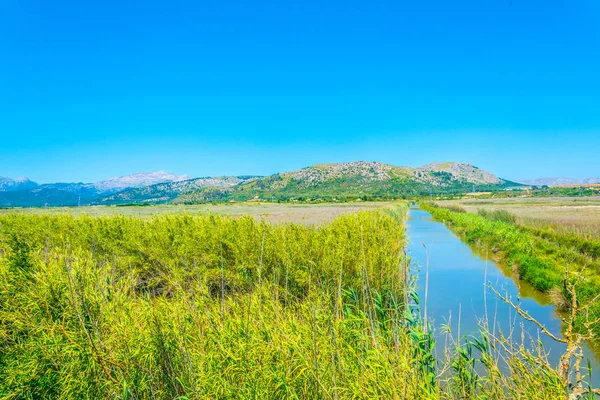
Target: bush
column 456, row 208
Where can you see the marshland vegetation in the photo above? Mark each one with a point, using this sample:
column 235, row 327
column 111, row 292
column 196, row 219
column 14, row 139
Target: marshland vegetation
column 209, row 306
column 301, row 213
column 571, row 216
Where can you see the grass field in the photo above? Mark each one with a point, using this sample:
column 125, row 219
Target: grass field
column 304, row 214
column 564, row 215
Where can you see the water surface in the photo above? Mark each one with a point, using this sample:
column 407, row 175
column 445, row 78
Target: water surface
column 456, row 286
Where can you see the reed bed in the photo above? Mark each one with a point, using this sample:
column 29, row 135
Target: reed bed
column 197, row 307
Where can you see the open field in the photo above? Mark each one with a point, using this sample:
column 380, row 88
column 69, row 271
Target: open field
column 578, row 216
column 304, row 214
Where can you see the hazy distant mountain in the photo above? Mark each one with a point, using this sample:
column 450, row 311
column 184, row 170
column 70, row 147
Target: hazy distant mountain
column 22, row 192
column 591, row 181
column 22, row 183
column 561, row 181
column 355, row 179
column 138, row 180
column 167, row 191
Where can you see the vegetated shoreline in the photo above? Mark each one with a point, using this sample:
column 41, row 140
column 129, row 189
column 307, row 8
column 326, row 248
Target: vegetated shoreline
column 182, row 306
column 526, row 290
column 535, row 256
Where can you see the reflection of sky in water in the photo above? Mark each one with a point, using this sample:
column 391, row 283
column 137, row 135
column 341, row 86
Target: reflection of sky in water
column 456, row 279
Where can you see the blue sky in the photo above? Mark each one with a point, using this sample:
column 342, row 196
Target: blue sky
column 90, row 90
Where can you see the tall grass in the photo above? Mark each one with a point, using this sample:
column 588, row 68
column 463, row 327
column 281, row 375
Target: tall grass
column 496, row 215
column 212, row 307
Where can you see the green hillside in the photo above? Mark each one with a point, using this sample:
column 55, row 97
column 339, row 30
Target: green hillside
column 360, row 179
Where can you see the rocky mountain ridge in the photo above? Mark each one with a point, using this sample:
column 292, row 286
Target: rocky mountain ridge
column 137, row 180
column 365, row 179
column 167, row 191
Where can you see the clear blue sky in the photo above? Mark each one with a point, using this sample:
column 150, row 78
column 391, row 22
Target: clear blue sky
column 90, row 90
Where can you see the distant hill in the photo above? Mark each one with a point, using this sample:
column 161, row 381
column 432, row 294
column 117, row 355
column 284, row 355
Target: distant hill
column 561, row 181
column 354, row 179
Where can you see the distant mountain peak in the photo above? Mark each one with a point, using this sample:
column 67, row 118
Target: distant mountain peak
column 437, row 174
column 139, row 179
column 366, row 170
column 22, row 179
column 20, row 183
column 456, row 171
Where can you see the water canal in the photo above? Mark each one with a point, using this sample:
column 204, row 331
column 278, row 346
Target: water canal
column 456, row 276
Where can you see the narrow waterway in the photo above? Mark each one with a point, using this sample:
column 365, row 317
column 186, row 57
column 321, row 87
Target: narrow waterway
column 456, row 289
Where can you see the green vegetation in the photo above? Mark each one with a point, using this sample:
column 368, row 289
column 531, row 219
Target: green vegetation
column 194, row 307
column 198, row 306
column 590, row 248
column 496, row 215
column 515, row 191
column 537, row 257
column 349, row 188
column 566, row 191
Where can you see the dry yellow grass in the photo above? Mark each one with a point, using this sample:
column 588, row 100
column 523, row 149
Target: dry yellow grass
column 568, row 215
column 304, row 214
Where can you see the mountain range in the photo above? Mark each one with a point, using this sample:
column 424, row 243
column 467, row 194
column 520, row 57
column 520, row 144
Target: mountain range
column 359, row 179
column 561, row 181
column 22, row 192
column 22, row 183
